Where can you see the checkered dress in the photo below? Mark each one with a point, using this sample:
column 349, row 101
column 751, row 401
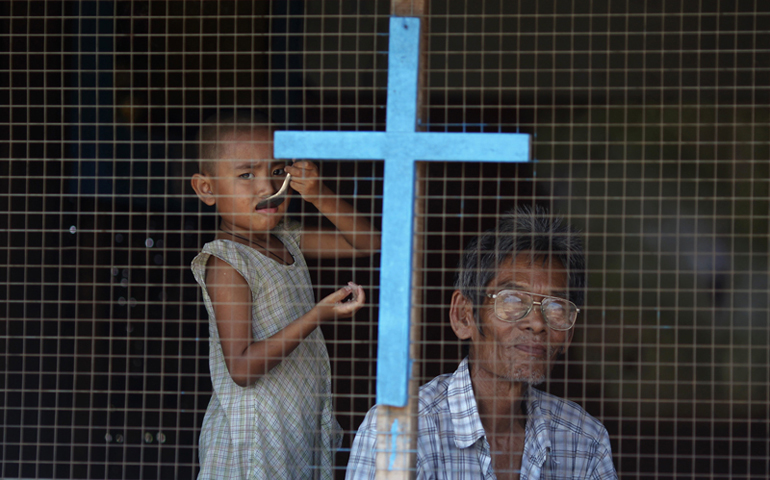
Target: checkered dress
column 282, row 427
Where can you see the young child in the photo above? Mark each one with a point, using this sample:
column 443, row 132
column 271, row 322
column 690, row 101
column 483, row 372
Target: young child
column 270, row 414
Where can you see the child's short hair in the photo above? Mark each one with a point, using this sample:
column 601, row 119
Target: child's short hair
column 221, row 125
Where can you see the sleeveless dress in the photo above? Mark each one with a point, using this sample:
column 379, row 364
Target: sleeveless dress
column 283, row 426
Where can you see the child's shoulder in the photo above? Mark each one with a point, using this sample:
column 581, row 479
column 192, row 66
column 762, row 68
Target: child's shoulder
column 230, row 252
column 220, row 246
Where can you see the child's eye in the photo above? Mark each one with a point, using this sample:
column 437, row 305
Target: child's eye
column 246, row 175
column 279, row 171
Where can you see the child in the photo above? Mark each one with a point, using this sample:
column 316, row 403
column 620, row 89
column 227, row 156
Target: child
column 270, row 414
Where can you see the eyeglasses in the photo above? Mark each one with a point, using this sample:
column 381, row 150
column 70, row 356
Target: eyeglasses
column 513, row 305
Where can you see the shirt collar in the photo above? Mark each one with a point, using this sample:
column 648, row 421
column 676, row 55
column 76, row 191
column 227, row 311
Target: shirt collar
column 466, row 420
column 463, row 409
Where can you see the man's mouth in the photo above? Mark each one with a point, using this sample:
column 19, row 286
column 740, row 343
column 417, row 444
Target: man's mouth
column 532, row 349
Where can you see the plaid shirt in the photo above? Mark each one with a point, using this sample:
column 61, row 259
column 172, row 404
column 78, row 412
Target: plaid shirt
column 562, row 441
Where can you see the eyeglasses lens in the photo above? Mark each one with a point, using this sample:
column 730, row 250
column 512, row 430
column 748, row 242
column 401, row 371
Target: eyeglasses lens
column 511, row 306
column 557, row 312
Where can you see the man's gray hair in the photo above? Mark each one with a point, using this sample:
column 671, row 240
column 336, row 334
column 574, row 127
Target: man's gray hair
column 522, row 230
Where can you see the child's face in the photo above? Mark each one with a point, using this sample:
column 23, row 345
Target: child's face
column 245, row 174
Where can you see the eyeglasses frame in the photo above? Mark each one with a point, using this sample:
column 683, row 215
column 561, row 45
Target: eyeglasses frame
column 532, row 306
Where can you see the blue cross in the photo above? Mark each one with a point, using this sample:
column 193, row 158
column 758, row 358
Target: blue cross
column 400, row 146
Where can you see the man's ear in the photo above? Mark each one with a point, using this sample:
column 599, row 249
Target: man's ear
column 201, row 183
column 461, row 316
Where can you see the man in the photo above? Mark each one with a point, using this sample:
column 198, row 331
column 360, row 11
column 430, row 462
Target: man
column 516, row 301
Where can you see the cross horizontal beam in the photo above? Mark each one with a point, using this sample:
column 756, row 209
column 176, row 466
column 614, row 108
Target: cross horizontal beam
column 419, row 146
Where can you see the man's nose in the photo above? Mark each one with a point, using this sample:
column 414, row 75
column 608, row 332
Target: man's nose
column 534, row 320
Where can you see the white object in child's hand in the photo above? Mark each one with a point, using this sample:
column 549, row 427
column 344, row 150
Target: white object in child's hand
column 352, row 298
column 273, row 200
column 353, row 287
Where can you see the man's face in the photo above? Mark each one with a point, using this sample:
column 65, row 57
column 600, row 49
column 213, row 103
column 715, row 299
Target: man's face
column 522, row 351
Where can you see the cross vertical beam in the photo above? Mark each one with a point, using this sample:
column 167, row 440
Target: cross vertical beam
column 401, row 116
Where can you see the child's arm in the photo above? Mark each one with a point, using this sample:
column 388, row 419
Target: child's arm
column 247, row 360
column 354, row 235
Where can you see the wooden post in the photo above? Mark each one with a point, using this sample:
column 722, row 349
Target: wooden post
column 400, row 465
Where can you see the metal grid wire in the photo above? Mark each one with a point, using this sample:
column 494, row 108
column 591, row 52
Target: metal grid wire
column 650, row 130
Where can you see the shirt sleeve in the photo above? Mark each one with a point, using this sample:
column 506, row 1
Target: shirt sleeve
column 605, row 469
column 363, row 457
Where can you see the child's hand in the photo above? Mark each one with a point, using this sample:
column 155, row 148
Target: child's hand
column 305, row 180
column 335, row 305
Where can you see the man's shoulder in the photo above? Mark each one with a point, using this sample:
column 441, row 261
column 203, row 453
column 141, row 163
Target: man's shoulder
column 564, row 414
column 432, row 400
column 434, row 394
column 445, row 388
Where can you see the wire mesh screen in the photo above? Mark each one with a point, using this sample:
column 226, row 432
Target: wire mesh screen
column 650, row 133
